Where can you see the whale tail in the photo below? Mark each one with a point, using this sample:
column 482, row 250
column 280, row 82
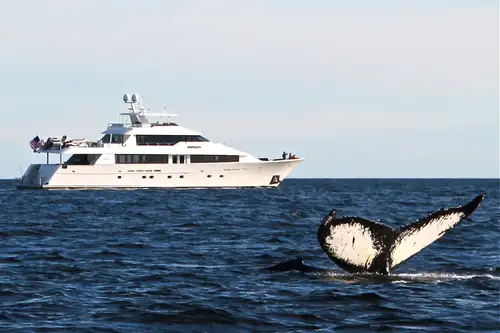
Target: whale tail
column 360, row 245
column 416, row 236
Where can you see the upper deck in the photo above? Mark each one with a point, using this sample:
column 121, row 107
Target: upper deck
column 138, row 135
column 138, row 123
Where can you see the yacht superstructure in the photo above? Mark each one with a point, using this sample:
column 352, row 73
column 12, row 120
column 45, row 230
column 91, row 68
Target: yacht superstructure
column 146, row 154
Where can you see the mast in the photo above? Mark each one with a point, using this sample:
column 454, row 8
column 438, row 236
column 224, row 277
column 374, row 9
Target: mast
column 137, row 113
column 136, row 110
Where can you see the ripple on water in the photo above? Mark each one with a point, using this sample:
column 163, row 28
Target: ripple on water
column 187, row 261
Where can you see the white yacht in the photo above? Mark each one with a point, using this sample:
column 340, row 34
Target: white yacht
column 146, row 154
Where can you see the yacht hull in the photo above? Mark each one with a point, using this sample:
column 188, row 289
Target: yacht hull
column 196, row 175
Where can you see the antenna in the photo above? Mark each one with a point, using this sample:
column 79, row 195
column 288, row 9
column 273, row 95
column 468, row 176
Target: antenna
column 22, row 172
column 133, row 100
column 138, row 113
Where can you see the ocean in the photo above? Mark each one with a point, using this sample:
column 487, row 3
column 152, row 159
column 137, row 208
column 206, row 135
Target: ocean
column 194, row 260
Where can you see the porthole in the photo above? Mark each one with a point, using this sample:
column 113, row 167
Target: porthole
column 208, row 176
column 221, row 176
column 151, row 177
column 119, row 177
column 181, row 176
column 169, row 177
column 143, row 177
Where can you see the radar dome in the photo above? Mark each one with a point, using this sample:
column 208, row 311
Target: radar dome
column 126, row 98
column 135, row 98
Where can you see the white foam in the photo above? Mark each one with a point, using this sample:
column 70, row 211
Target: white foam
column 447, row 276
column 404, row 278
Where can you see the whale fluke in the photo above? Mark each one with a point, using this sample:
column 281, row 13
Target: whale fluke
column 360, row 245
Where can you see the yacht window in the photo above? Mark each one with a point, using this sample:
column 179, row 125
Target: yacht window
column 83, row 159
column 117, row 138
column 140, row 159
column 181, row 159
column 167, row 140
column 106, row 138
column 195, row 138
column 155, row 159
column 214, row 158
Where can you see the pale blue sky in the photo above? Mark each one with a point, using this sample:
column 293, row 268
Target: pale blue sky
column 360, row 88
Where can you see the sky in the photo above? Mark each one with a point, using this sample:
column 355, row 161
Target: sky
column 361, row 89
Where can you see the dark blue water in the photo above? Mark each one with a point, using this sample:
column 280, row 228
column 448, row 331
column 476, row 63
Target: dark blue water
column 192, row 260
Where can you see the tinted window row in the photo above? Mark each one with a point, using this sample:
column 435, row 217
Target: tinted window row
column 134, row 158
column 167, row 140
column 115, row 138
column 214, row 158
column 83, row 159
column 146, row 159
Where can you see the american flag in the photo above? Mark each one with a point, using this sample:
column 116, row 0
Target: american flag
column 36, row 143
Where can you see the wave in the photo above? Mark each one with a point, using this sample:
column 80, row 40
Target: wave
column 420, row 277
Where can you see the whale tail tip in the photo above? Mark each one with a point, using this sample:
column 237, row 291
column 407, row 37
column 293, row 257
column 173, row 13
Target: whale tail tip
column 473, row 205
column 332, row 215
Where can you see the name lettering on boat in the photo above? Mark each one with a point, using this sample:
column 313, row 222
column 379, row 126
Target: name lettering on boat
column 275, row 179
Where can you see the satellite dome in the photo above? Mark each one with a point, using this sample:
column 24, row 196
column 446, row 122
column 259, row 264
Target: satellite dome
column 135, row 98
column 126, row 98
